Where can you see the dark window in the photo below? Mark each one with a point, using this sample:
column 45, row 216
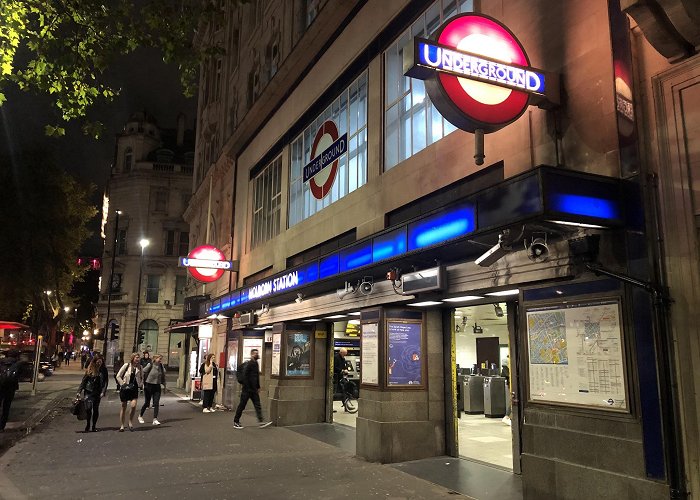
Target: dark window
column 169, row 242
column 121, row 242
column 152, row 288
column 180, row 283
column 128, row 159
column 160, row 203
column 184, row 243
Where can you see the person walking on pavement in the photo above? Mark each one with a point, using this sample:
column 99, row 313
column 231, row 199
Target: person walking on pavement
column 250, row 390
column 9, row 383
column 145, row 359
column 209, row 372
column 83, row 360
column 92, row 387
column 104, row 374
column 66, row 358
column 153, row 376
column 130, row 379
column 118, row 363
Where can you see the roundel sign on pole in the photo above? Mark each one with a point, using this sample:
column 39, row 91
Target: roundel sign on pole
column 327, row 148
column 477, row 73
column 206, row 263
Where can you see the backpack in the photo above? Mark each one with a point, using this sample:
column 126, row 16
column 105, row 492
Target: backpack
column 240, row 372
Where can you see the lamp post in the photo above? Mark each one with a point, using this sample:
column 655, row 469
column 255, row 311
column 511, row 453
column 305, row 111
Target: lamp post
column 144, row 243
column 111, row 281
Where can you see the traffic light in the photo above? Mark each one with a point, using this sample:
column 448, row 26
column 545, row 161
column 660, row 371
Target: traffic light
column 115, row 331
column 140, row 340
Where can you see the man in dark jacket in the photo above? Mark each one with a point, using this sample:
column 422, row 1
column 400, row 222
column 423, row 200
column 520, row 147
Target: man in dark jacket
column 9, row 383
column 250, row 390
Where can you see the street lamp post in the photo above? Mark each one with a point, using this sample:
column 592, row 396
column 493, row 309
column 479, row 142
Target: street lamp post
column 111, row 281
column 144, row 243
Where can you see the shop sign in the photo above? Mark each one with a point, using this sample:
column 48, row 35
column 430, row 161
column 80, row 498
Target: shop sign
column 327, row 148
column 477, row 73
column 207, row 263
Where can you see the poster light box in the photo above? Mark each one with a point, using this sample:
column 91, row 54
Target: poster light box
column 426, row 280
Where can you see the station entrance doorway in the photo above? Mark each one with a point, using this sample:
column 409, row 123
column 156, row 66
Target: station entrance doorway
column 345, row 376
column 484, row 340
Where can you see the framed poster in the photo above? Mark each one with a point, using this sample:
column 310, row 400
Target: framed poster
column 369, row 354
column 404, row 353
column 298, row 354
column 232, row 356
column 276, row 353
column 253, row 343
column 576, row 355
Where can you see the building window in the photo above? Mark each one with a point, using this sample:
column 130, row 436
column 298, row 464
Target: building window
column 349, row 114
column 117, row 282
column 121, row 242
column 148, row 331
column 160, row 200
column 152, row 288
column 267, row 198
column 180, row 284
column 128, row 159
column 184, row 243
column 169, row 243
column 411, row 121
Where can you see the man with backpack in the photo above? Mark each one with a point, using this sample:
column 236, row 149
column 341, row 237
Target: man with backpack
column 248, row 376
column 9, row 383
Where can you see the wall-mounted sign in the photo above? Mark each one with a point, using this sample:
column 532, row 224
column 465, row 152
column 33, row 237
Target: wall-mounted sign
column 477, row 73
column 370, row 354
column 327, row 147
column 207, row 263
column 405, row 353
column 298, row 362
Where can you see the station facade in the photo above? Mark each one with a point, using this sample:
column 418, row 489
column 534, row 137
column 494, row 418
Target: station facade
column 360, row 216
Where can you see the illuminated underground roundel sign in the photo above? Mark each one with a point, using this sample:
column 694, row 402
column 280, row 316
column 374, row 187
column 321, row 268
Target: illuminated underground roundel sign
column 206, row 263
column 477, row 73
column 326, row 149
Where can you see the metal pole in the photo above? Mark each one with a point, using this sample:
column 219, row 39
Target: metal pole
column 138, row 301
column 36, row 363
column 109, row 286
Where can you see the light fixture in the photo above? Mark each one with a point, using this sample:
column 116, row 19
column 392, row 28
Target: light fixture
column 426, row 303
column 310, row 320
column 300, row 298
column 504, row 293
column 356, row 313
column 66, row 308
column 144, row 243
column 367, row 285
column 498, row 310
column 577, row 224
column 217, row 317
column 349, row 288
column 493, row 254
column 463, row 298
column 335, row 316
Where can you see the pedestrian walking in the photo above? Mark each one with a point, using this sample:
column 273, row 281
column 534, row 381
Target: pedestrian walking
column 154, row 377
column 209, row 373
column 9, row 383
column 83, row 360
column 66, row 358
column 92, row 388
column 104, row 374
column 118, row 363
column 145, row 359
column 130, row 379
column 251, row 390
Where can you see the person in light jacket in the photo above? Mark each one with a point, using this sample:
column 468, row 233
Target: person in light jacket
column 130, row 380
column 209, row 373
column 153, row 376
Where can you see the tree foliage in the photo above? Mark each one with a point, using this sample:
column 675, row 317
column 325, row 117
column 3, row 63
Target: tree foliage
column 61, row 48
column 44, row 212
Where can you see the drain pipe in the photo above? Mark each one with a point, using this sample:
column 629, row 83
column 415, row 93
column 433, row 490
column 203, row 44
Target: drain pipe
column 668, row 382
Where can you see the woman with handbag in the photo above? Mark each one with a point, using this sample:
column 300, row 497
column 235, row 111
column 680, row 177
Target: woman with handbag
column 91, row 387
column 130, row 379
column 208, row 372
column 154, row 376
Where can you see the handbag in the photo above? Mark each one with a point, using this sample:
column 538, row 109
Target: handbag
column 78, row 408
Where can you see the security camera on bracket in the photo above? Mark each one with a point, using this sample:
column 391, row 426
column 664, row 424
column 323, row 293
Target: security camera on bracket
column 349, row 288
column 493, row 254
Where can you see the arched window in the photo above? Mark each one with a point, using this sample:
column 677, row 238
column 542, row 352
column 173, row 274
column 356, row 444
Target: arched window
column 128, row 159
column 148, row 331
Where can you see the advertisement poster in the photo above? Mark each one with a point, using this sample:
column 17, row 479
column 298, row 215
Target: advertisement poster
column 253, row 343
column 404, row 354
column 575, row 355
column 298, row 361
column 276, row 352
column 370, row 354
column 232, row 360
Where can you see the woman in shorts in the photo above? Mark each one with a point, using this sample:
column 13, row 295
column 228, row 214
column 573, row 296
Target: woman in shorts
column 130, row 379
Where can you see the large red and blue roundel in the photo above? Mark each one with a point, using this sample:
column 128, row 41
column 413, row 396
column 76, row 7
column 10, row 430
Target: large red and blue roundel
column 471, row 104
column 321, row 183
column 206, row 274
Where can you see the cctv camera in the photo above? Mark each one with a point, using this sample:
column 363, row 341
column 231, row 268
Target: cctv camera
column 493, row 254
column 342, row 292
column 538, row 250
column 367, row 285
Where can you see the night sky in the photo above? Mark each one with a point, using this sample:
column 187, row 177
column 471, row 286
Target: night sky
column 146, row 84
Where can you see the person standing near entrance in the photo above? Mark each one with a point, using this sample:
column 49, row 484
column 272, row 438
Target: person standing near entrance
column 250, row 390
column 153, row 376
column 208, row 371
column 339, row 364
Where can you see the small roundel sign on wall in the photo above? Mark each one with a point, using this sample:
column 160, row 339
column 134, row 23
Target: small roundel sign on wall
column 327, row 148
column 477, row 73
